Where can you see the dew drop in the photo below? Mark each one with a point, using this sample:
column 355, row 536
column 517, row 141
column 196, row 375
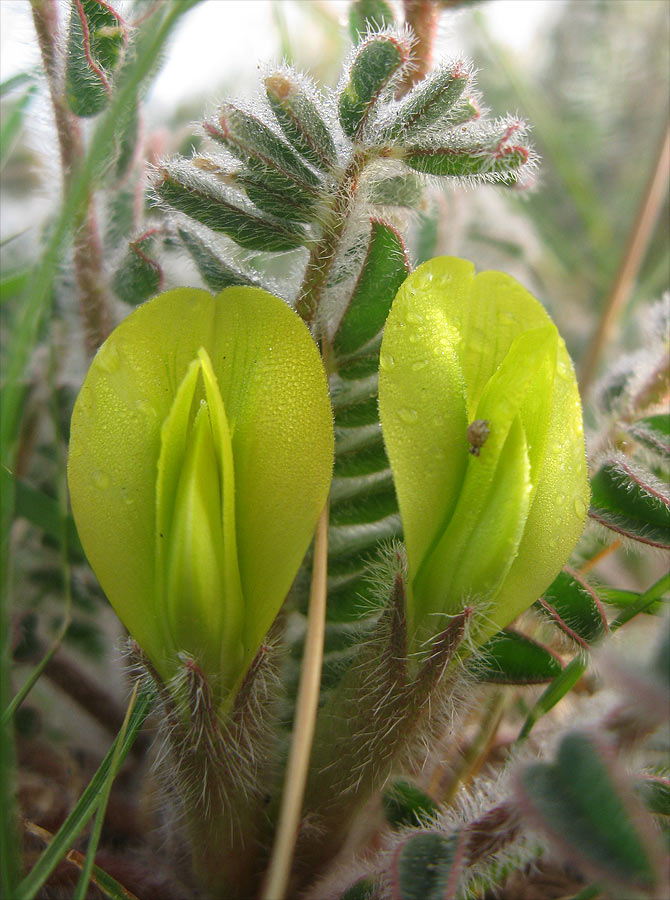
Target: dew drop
column 580, row 508
column 413, row 338
column 109, row 358
column 145, row 407
column 386, row 362
column 407, row 415
column 560, row 499
column 101, row 480
column 419, row 364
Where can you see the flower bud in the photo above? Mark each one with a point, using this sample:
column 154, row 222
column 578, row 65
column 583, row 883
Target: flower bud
column 200, row 458
column 482, row 424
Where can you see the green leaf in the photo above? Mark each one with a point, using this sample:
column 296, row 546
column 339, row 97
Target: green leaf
column 208, row 203
column 513, row 658
column 631, row 501
column 589, row 815
column 430, row 102
column 378, row 62
column 132, row 419
column 300, row 120
column 366, row 16
column 247, row 138
column 384, row 269
column 397, row 190
column 427, row 866
column 364, row 889
column 87, row 804
column 653, row 432
column 405, row 804
column 497, row 525
column 556, row 690
column 654, row 791
column 575, row 607
column 215, row 272
column 139, row 276
column 277, row 196
column 487, row 156
column 95, row 44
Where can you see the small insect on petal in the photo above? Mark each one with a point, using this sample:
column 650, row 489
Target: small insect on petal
column 477, row 433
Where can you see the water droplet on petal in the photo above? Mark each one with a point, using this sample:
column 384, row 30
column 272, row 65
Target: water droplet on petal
column 580, row 508
column 407, row 415
column 109, row 358
column 419, row 364
column 386, row 362
column 101, row 480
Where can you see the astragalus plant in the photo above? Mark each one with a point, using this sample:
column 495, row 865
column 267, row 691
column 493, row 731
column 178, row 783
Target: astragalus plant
column 338, row 472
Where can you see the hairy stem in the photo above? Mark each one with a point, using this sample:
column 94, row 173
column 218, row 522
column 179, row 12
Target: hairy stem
column 324, row 251
column 304, row 723
column 93, row 302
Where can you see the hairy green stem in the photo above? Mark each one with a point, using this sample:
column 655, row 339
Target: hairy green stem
column 324, row 251
column 88, row 265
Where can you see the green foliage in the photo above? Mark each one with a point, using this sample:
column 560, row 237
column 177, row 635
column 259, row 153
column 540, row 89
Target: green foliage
column 426, row 867
column 379, row 62
column 327, row 199
column 578, row 802
column 631, row 501
column 95, row 44
column 405, row 804
column 513, row 658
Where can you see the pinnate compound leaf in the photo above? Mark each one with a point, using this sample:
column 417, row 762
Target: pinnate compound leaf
column 378, row 62
column 95, row 44
column 513, row 658
column 631, row 501
column 427, row 866
column 575, row 607
column 273, row 397
column 384, row 269
column 590, row 816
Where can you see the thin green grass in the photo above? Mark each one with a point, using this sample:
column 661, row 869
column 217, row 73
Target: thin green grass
column 94, row 840
column 87, row 803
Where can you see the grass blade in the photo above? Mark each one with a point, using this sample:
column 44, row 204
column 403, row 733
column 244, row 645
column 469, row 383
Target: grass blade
column 94, row 839
column 87, row 803
column 101, row 879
